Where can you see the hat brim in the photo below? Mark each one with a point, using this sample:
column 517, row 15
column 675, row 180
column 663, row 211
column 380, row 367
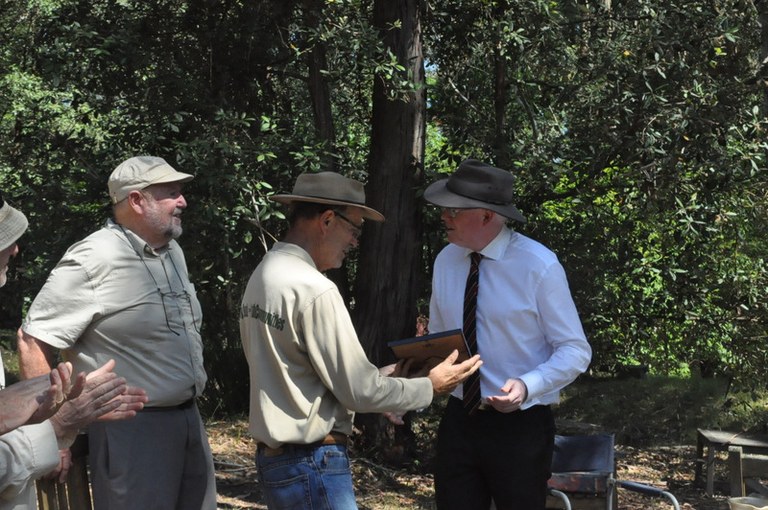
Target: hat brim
column 366, row 212
column 174, row 177
column 438, row 194
column 12, row 227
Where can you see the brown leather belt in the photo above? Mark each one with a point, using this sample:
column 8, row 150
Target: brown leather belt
column 332, row 438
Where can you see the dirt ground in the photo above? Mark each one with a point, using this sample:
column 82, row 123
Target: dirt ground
column 381, row 488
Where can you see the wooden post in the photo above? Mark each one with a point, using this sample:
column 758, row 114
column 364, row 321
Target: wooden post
column 75, row 493
column 735, row 473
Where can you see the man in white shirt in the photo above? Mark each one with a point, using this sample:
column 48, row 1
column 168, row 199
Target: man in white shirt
column 498, row 447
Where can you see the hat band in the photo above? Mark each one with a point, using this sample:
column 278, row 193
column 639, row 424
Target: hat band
column 346, row 200
column 473, row 197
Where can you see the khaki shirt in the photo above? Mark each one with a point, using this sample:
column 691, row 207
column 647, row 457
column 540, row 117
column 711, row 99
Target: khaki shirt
column 309, row 373
column 112, row 296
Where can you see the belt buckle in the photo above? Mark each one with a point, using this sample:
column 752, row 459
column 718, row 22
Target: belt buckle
column 484, row 406
column 335, row 438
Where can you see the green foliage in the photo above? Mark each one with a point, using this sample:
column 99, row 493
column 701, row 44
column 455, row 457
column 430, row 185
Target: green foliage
column 639, row 146
column 217, row 90
column 637, row 133
column 661, row 410
column 8, row 352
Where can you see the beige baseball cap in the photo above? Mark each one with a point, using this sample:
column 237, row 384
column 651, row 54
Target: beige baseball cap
column 139, row 172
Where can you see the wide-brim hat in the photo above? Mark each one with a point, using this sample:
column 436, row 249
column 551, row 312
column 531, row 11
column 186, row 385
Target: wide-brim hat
column 140, row 172
column 13, row 224
column 476, row 185
column 329, row 188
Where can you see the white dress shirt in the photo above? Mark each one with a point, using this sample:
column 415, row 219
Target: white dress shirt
column 527, row 323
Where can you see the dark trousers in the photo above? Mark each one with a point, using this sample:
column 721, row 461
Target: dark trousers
column 159, row 460
column 504, row 457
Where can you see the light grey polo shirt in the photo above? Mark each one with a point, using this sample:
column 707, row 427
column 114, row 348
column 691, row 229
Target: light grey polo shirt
column 112, row 296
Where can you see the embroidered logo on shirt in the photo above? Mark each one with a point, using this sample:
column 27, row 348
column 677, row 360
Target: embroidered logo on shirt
column 270, row 319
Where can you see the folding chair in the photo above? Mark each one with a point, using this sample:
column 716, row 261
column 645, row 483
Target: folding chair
column 585, row 465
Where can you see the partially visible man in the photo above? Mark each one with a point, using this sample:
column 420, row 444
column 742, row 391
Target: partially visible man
column 124, row 293
column 53, row 406
column 35, row 400
column 308, row 371
column 510, row 295
column 13, row 224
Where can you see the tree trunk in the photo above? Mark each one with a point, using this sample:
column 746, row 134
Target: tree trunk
column 388, row 278
column 500, row 93
column 319, row 91
column 320, row 97
column 762, row 13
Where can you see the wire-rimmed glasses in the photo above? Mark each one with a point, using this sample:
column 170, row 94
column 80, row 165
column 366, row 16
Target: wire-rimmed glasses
column 357, row 230
column 186, row 302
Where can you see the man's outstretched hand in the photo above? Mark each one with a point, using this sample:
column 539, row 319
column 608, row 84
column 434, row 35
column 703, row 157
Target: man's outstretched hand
column 448, row 374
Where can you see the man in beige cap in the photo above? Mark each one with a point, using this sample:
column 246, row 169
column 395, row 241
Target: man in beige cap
column 41, row 415
column 309, row 373
column 124, row 293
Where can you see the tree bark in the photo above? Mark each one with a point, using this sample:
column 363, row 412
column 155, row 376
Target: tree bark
column 762, row 13
column 500, row 93
column 388, row 278
column 319, row 92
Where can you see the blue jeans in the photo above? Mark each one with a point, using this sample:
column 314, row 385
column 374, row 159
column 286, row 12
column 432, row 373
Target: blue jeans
column 307, row 477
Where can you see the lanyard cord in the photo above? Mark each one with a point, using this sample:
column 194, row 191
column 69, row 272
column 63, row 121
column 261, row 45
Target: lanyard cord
column 157, row 286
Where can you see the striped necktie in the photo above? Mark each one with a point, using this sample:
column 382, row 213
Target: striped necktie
column 472, row 384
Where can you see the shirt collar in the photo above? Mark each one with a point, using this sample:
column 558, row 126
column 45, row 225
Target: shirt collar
column 138, row 244
column 496, row 248
column 294, row 249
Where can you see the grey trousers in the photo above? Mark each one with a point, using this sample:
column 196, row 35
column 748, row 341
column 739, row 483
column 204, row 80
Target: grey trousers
column 159, row 460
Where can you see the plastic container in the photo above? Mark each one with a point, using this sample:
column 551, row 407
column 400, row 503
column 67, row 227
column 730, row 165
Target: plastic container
column 748, row 503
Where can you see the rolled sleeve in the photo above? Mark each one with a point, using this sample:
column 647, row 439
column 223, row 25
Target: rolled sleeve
column 64, row 307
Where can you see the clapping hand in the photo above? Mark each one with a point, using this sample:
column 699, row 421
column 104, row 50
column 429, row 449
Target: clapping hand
column 37, row 399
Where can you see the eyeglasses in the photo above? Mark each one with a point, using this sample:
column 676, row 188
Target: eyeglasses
column 183, row 299
column 357, row 230
column 453, row 211
column 183, row 302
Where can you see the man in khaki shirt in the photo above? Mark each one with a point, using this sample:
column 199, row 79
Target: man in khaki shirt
column 40, row 415
column 309, row 374
column 124, row 293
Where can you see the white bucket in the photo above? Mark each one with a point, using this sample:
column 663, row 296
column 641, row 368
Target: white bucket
column 748, row 503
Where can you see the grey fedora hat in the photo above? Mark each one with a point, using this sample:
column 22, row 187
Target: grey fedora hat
column 329, row 188
column 476, row 185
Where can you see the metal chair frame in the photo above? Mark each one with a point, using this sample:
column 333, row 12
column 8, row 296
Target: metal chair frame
column 585, row 464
